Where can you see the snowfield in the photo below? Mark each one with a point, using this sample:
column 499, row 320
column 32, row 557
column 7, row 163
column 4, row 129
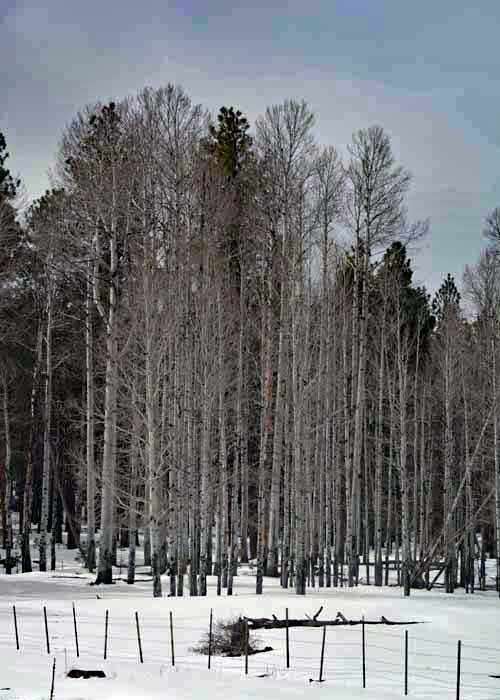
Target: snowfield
column 432, row 668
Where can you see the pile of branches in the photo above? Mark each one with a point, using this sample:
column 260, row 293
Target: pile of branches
column 229, row 638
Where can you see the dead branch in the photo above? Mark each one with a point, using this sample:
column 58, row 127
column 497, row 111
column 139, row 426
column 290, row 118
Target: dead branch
column 257, row 623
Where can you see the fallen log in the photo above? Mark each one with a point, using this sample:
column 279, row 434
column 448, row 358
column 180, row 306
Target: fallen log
column 80, row 673
column 251, row 652
column 259, row 623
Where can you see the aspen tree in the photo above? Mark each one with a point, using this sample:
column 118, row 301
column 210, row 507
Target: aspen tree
column 376, row 215
column 283, row 137
column 7, row 469
column 329, row 186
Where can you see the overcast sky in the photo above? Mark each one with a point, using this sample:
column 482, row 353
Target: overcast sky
column 427, row 71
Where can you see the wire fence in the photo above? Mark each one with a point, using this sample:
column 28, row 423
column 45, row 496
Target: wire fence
column 376, row 657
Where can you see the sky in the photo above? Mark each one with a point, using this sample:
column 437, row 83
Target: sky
column 427, row 71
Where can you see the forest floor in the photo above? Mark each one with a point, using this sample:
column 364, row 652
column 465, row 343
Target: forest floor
column 432, row 646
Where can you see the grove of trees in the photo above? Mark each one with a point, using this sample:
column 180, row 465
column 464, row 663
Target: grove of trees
column 210, row 334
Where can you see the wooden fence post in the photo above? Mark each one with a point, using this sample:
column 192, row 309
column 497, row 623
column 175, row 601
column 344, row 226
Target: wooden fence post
column 139, row 636
column 76, row 632
column 172, row 639
column 246, row 647
column 363, row 644
column 406, row 662
column 459, row 661
column 46, row 629
column 106, row 623
column 53, row 679
column 322, row 655
column 210, row 639
column 15, row 627
column 287, row 636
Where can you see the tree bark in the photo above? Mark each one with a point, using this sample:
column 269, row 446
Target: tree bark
column 47, row 427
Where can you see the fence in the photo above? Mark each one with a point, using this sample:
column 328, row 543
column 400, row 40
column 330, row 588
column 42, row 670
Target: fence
column 373, row 657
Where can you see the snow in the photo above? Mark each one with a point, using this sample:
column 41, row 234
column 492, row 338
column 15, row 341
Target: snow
column 474, row 619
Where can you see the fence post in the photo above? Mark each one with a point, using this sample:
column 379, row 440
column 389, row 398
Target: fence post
column 53, row 679
column 106, row 635
column 322, row 655
column 459, row 659
column 210, row 639
column 406, row 662
column 139, row 636
column 76, row 632
column 363, row 644
column 172, row 639
column 287, row 639
column 246, row 647
column 15, row 627
column 46, row 629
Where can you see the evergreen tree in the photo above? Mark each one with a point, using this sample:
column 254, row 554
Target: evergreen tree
column 446, row 299
column 229, row 146
column 449, row 337
column 9, row 185
column 9, row 227
column 417, row 317
column 230, row 141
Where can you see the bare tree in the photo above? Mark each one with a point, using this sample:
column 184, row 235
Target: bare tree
column 285, row 142
column 376, row 216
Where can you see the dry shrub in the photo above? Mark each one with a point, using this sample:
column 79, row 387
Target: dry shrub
column 228, row 639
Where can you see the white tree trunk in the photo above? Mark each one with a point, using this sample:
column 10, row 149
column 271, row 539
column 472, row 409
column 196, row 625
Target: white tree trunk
column 90, row 430
column 205, row 517
column 105, row 566
column 9, row 480
column 28, row 484
column 496, row 448
column 359, row 412
column 132, row 523
column 47, row 426
column 379, row 455
column 265, row 431
column 402, row 361
column 152, row 461
column 448, row 465
column 277, row 458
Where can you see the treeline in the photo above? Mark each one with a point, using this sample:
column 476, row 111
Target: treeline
column 210, row 333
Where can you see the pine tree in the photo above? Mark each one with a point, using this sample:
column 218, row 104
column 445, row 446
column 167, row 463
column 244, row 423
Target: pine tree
column 447, row 298
column 9, row 185
column 446, row 307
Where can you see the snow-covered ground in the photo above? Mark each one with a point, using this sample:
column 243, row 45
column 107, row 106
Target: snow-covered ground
column 474, row 619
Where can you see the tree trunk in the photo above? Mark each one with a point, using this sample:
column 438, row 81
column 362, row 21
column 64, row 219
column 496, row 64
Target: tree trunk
column 359, row 409
column 265, row 431
column 28, row 482
column 277, row 457
column 90, row 430
column 496, row 448
column 205, row 517
column 448, row 465
column 9, row 479
column 153, row 462
column 379, row 458
column 132, row 523
column 403, row 456
column 44, row 518
column 105, row 566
